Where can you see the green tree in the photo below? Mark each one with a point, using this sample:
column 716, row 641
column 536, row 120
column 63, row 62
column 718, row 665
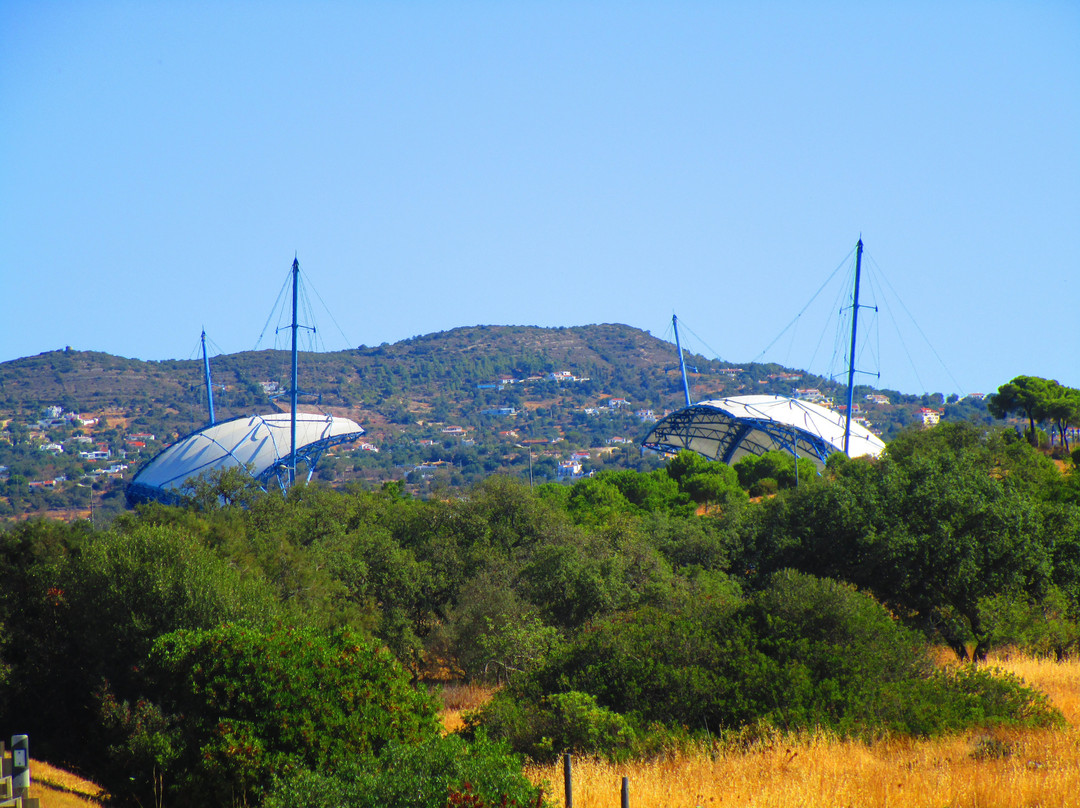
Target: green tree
column 82, row 607
column 1062, row 408
column 1025, row 394
column 237, row 706
column 948, row 517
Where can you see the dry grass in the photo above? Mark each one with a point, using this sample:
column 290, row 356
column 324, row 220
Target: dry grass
column 999, row 769
column 56, row 788
column 457, row 699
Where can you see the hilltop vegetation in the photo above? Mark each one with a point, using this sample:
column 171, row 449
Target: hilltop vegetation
column 443, row 410
column 196, row 654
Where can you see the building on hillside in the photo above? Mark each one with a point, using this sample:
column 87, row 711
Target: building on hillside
column 569, row 469
column 811, row 394
column 499, row 411
column 930, row 417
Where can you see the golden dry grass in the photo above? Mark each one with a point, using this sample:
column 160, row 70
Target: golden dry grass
column 999, row 769
column 459, row 698
column 56, row 788
column 1035, row 767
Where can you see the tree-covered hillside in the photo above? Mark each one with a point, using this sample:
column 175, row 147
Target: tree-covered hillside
column 442, row 410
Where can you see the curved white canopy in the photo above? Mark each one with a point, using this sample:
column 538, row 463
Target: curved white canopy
column 729, row 429
column 261, row 443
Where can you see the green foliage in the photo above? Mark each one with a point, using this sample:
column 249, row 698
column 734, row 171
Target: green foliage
column 234, row 706
column 649, row 492
column 440, row 772
column 802, row 653
column 705, row 482
column 777, row 466
column 1038, row 400
column 689, row 542
column 83, row 607
column 558, row 723
column 614, row 614
column 514, row 647
column 950, row 516
column 956, row 699
column 1046, row 627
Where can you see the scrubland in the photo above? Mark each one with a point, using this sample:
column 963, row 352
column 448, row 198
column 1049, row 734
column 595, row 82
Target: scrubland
column 1001, row 768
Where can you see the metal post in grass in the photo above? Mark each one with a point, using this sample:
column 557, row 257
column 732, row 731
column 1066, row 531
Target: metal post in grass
column 568, row 780
column 20, row 763
column 626, row 792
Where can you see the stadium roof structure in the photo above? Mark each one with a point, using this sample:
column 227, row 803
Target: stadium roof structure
column 260, row 444
column 729, row 429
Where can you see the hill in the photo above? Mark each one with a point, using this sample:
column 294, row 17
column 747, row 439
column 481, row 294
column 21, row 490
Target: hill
column 442, row 409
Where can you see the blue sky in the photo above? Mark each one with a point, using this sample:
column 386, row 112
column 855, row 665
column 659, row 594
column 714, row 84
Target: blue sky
column 442, row 164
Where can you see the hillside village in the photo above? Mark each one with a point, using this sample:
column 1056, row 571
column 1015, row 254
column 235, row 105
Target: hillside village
column 433, row 419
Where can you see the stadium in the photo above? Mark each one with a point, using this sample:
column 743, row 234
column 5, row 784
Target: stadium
column 729, row 429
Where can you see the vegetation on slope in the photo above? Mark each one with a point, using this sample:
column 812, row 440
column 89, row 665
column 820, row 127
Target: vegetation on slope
column 490, row 386
column 198, row 652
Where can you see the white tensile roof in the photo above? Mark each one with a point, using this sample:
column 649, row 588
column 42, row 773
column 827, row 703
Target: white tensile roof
column 729, row 429
column 260, row 443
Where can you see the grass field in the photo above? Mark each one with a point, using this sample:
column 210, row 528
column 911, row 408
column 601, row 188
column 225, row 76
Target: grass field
column 998, row 769
column 56, row 788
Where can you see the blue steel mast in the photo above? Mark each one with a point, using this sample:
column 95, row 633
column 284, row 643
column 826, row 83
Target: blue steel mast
column 295, row 327
column 851, row 358
column 682, row 362
column 206, row 374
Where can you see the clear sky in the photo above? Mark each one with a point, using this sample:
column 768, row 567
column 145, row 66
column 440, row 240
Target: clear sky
column 438, row 164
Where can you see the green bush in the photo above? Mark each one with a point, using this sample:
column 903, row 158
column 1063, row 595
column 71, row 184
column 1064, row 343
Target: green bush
column 803, row 653
column 558, row 723
column 90, row 611
column 438, row 772
column 1048, row 627
column 235, row 706
column 764, row 487
column 952, row 700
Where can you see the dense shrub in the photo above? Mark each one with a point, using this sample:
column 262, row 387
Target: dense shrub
column 802, row 653
column 88, row 609
column 560, row 722
column 234, row 706
column 438, row 772
column 1049, row 627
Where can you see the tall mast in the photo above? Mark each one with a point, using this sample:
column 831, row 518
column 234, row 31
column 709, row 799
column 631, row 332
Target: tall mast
column 295, row 326
column 206, row 374
column 682, row 362
column 851, row 357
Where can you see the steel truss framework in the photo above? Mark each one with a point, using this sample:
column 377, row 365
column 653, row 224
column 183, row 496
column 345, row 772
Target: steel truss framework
column 730, row 429
column 254, row 449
